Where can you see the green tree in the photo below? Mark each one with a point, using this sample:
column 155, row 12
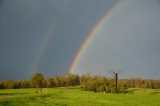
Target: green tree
column 72, row 80
column 37, row 80
column 8, row 84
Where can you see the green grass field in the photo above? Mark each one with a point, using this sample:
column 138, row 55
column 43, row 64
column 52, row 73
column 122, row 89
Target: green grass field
column 78, row 97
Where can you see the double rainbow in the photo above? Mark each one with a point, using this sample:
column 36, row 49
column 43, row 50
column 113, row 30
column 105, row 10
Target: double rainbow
column 84, row 45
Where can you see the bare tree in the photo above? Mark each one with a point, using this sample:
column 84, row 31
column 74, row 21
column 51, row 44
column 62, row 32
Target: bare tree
column 115, row 75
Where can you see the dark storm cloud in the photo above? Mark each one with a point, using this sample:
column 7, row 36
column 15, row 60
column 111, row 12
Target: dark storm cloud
column 24, row 24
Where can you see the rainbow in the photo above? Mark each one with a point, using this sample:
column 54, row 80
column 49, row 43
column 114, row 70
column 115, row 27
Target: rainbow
column 91, row 35
column 43, row 49
column 48, row 38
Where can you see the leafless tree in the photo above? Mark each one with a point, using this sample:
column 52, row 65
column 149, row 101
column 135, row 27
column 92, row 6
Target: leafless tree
column 115, row 75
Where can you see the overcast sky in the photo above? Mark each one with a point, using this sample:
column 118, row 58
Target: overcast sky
column 129, row 40
column 47, row 34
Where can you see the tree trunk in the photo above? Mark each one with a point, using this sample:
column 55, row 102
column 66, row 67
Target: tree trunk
column 116, row 90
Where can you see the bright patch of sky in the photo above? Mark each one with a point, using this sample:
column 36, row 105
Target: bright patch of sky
column 128, row 40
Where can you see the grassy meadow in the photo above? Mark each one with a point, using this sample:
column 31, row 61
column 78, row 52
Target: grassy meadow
column 78, row 97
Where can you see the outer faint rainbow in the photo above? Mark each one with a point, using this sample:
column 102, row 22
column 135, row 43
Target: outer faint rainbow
column 43, row 49
column 46, row 41
column 90, row 37
column 48, row 37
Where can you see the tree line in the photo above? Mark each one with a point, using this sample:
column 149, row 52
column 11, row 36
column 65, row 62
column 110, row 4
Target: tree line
column 87, row 82
column 108, row 85
column 39, row 81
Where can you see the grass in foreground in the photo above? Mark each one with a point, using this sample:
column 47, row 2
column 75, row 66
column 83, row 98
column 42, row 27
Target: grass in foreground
column 78, row 97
